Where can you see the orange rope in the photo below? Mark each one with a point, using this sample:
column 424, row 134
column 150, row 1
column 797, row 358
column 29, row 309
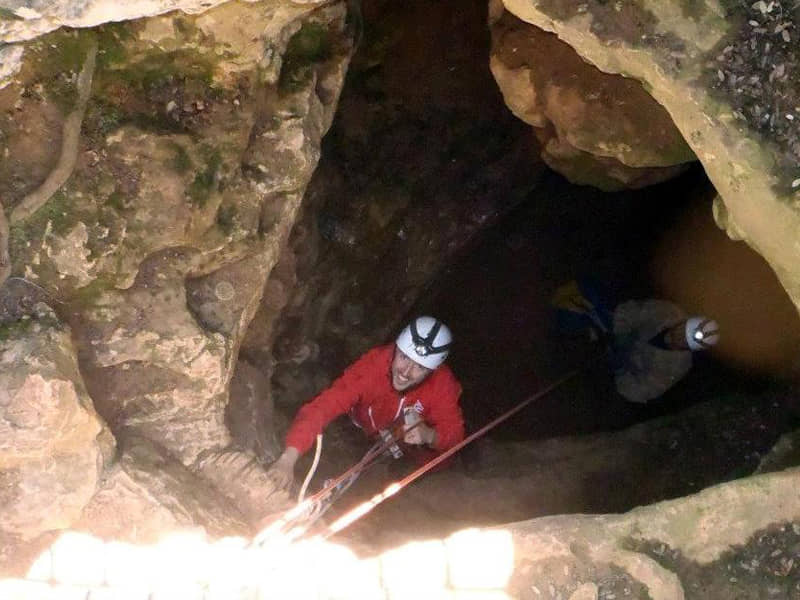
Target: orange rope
column 362, row 509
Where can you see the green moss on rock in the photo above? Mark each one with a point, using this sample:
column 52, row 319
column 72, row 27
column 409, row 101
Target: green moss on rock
column 311, row 44
column 111, row 40
column 226, row 216
column 116, row 200
column 180, row 162
column 140, row 88
column 14, row 329
column 89, row 294
column 57, row 58
column 204, row 182
column 9, row 15
column 56, row 211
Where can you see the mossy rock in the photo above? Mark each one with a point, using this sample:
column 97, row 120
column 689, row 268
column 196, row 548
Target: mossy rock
column 205, row 181
column 310, row 45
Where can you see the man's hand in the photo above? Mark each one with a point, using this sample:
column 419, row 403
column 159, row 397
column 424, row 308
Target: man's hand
column 282, row 470
column 420, row 435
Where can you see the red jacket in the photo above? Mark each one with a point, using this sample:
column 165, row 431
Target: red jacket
column 365, row 391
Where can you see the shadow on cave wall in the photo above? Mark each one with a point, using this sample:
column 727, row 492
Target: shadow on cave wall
column 429, row 197
column 658, row 242
column 422, row 155
column 497, row 299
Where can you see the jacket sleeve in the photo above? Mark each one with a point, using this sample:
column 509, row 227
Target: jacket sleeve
column 343, row 394
column 444, row 415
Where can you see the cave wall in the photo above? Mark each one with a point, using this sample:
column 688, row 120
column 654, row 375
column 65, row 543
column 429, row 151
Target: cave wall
column 422, row 155
column 726, row 74
column 151, row 171
column 595, row 128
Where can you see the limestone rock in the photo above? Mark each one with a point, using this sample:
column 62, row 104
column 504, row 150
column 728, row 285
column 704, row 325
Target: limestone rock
column 726, row 541
column 736, row 540
column 54, row 446
column 595, row 128
column 588, row 591
column 176, row 100
column 159, row 237
column 608, row 472
column 705, row 66
column 785, row 453
column 242, row 477
column 149, row 494
column 250, row 415
column 21, row 21
column 151, row 366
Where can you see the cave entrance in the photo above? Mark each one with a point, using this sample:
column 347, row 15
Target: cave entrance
column 424, row 157
column 602, row 453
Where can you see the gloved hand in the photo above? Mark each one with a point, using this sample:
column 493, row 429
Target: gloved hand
column 281, row 472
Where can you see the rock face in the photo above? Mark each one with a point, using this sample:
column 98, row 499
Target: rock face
column 706, row 66
column 422, row 156
column 147, row 480
column 725, row 542
column 595, row 128
column 25, row 20
column 737, row 540
column 53, row 442
column 152, row 170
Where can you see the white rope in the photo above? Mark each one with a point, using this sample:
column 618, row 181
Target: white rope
column 311, row 471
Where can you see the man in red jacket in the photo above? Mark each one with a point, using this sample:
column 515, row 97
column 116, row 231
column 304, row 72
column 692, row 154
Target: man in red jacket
column 379, row 388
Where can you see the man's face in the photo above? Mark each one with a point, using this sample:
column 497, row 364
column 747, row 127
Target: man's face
column 405, row 372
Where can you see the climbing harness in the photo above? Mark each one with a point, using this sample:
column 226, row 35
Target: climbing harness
column 394, row 487
column 297, row 522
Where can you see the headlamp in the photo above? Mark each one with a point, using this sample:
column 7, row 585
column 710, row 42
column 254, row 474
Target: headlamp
column 698, row 335
column 423, row 345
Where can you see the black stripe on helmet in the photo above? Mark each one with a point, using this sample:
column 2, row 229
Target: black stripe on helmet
column 703, row 334
column 424, row 345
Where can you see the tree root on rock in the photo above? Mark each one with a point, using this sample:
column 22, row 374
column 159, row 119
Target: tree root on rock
column 5, row 258
column 70, row 139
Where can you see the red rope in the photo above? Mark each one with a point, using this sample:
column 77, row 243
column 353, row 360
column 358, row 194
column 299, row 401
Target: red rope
column 362, row 509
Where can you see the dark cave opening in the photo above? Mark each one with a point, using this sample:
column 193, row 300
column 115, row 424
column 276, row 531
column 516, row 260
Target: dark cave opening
column 422, row 146
column 497, row 296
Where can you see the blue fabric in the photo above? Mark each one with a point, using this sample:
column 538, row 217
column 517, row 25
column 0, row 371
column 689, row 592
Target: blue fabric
column 575, row 323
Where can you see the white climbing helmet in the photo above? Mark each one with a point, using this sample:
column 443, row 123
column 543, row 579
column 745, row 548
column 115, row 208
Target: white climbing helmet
column 701, row 333
column 426, row 341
